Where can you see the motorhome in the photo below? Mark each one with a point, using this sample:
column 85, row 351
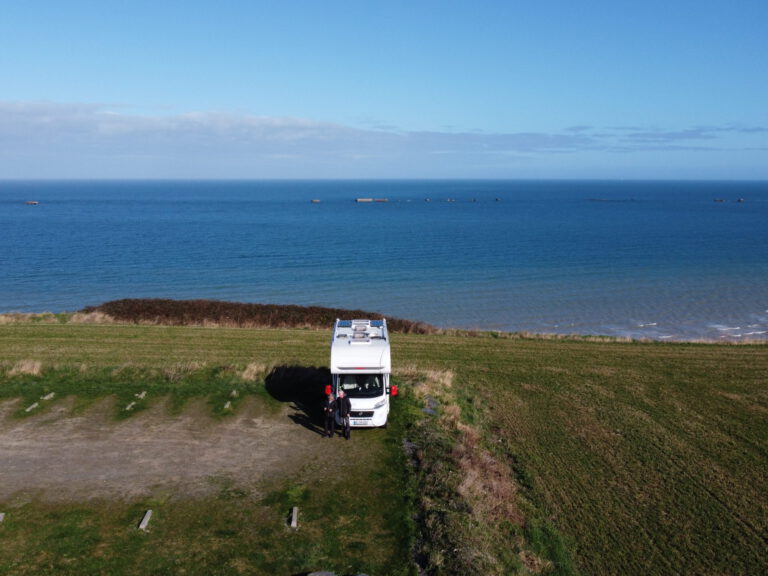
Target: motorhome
column 360, row 366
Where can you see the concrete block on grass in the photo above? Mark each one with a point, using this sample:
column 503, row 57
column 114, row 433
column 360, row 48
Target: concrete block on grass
column 145, row 521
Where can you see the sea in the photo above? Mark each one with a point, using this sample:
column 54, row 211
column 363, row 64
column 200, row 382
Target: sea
column 679, row 260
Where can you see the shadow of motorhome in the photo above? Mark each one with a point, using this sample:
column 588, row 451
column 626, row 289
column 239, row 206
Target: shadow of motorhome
column 304, row 388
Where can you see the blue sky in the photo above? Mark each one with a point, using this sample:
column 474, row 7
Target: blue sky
column 356, row 89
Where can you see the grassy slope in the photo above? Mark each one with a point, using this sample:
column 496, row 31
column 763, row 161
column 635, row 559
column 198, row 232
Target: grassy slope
column 650, row 458
column 643, row 458
column 159, row 346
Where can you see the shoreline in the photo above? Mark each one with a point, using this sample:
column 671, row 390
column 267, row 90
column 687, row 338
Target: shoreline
column 95, row 317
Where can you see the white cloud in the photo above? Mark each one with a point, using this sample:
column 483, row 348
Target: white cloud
column 49, row 140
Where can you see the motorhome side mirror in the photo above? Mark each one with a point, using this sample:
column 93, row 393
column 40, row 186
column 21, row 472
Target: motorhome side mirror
column 394, row 390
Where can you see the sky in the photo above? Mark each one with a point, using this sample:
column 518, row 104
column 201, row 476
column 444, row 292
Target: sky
column 241, row 89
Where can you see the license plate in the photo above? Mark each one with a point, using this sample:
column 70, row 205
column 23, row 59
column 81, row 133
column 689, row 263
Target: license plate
column 359, row 422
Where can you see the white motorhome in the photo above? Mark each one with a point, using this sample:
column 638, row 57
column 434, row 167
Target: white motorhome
column 360, row 365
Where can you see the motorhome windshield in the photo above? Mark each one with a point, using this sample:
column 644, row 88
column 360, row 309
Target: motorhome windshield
column 361, row 385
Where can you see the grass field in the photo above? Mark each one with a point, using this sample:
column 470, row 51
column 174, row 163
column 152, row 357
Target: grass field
column 553, row 456
column 238, row 526
column 645, row 458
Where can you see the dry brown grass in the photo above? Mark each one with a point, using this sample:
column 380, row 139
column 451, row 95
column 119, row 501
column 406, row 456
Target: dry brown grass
column 91, row 318
column 580, row 337
column 255, row 371
column 434, row 383
column 487, row 483
column 534, row 563
column 180, row 370
column 19, row 318
column 31, row 367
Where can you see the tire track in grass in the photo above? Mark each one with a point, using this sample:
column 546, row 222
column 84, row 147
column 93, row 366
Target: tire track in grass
column 681, row 459
column 682, row 468
column 574, row 490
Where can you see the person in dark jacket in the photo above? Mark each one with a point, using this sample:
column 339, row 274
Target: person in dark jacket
column 329, row 411
column 345, row 407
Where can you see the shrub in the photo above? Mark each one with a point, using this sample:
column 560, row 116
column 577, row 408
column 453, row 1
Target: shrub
column 238, row 314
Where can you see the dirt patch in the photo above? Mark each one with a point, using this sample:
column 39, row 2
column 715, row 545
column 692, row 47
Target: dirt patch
column 58, row 455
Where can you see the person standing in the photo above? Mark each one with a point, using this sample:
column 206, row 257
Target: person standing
column 329, row 411
column 344, row 407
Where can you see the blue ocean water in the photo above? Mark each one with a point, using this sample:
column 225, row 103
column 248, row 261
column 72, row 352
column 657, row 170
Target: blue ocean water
column 659, row 260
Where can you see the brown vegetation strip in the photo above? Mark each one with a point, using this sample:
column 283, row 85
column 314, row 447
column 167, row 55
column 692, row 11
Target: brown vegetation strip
column 238, row 314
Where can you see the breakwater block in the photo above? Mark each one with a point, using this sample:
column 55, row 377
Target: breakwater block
column 145, row 521
column 295, row 517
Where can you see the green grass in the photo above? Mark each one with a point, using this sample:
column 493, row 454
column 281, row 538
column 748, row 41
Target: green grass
column 117, row 346
column 649, row 458
column 235, row 532
column 629, row 458
column 134, row 386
